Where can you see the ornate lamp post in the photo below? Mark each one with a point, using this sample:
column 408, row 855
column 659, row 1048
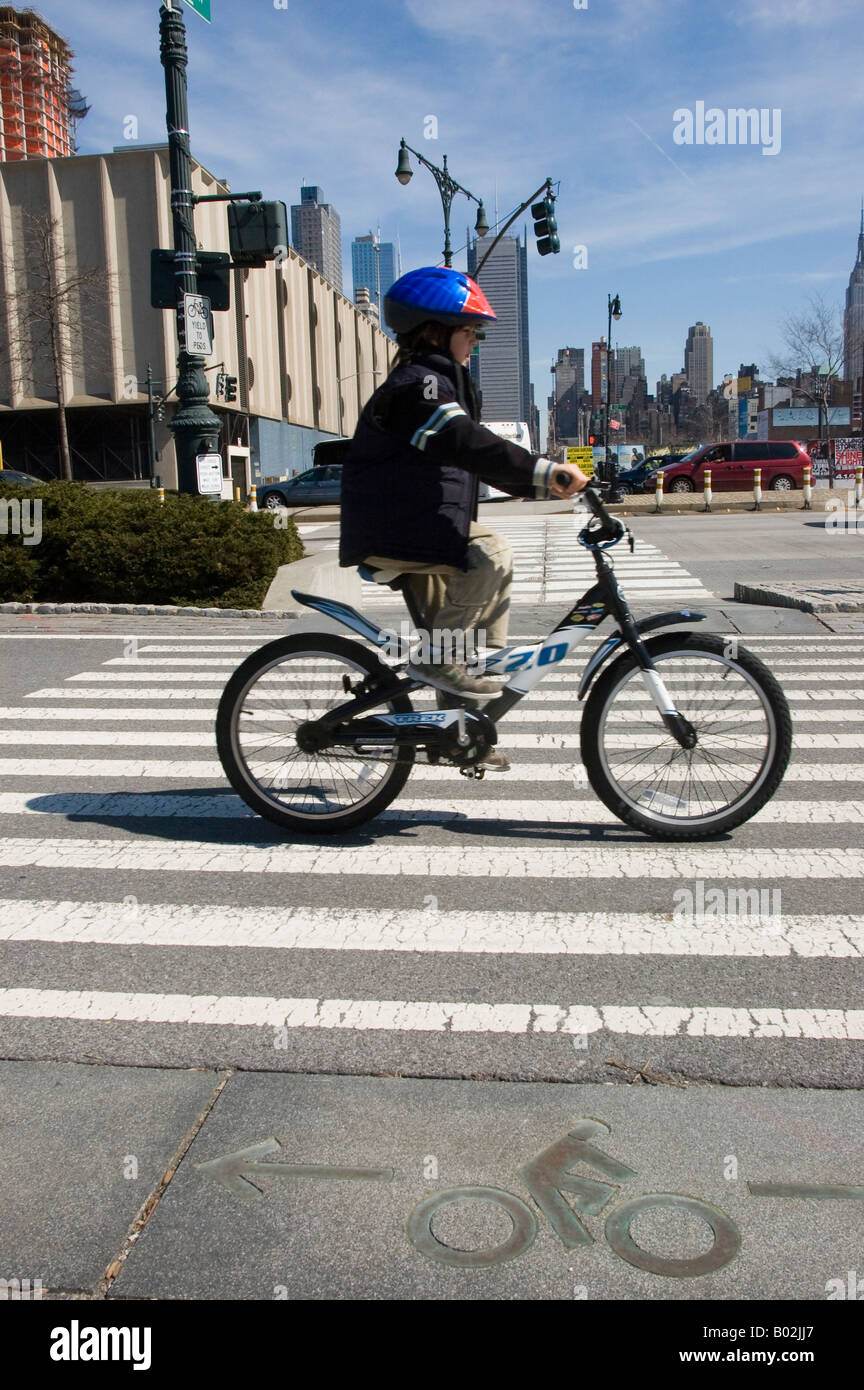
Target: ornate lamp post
column 195, row 427
column 447, row 187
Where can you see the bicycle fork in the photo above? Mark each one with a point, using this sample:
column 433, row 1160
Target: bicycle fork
column 679, row 727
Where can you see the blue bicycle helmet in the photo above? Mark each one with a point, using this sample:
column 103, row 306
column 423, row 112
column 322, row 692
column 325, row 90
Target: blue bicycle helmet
column 439, row 294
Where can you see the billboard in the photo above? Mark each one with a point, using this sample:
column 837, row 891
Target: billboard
column 625, row 455
column 809, row 415
column 841, row 455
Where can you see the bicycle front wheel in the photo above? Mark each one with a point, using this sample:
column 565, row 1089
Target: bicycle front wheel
column 743, row 727
column 277, row 689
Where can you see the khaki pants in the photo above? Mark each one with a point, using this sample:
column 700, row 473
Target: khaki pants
column 478, row 598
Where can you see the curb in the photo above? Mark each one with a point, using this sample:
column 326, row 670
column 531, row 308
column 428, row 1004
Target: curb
column 145, row 610
column 807, row 600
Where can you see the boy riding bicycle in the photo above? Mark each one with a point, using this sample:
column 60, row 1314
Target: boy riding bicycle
column 410, row 479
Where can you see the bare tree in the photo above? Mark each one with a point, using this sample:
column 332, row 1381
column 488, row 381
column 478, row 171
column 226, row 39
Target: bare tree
column 812, row 354
column 58, row 311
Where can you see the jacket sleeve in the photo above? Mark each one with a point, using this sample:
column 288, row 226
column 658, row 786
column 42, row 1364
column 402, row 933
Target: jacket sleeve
column 442, row 431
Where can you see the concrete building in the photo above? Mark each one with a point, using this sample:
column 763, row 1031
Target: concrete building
column 568, row 394
column 38, row 107
column 600, row 365
column 373, row 267
column 500, row 367
column 853, row 318
column 630, row 386
column 316, row 232
column 306, row 360
column 699, row 362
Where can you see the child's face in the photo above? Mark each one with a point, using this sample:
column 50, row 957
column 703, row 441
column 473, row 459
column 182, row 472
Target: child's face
column 462, row 345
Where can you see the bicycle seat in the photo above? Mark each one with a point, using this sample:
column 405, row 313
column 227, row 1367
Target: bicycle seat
column 375, row 575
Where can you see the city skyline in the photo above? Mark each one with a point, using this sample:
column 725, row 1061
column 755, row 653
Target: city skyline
column 661, row 223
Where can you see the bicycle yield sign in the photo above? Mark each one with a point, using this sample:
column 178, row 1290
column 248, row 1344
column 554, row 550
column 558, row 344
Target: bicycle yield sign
column 198, row 324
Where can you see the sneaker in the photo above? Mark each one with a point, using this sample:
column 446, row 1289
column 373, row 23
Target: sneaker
column 494, row 762
column 456, row 679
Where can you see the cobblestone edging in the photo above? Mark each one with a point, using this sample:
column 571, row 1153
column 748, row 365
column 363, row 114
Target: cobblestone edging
column 149, row 610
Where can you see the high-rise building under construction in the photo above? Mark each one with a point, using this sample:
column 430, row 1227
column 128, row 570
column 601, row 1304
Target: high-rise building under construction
column 39, row 110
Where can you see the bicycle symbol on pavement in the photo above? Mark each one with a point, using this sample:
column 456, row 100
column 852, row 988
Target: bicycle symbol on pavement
column 547, row 1177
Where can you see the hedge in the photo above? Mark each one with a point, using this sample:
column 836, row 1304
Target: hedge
column 124, row 546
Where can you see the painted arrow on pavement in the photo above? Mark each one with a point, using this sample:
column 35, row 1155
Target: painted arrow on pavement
column 229, row 1170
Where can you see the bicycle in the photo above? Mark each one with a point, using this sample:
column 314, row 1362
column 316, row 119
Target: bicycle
column 683, row 736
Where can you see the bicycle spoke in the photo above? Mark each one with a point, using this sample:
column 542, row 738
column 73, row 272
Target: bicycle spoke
column 734, row 731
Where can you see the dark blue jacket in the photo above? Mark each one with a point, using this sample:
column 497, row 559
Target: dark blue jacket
column 410, row 478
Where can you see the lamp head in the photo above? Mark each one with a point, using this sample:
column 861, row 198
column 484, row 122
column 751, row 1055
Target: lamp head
column 404, row 171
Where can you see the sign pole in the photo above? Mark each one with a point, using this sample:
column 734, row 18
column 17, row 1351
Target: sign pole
column 195, row 427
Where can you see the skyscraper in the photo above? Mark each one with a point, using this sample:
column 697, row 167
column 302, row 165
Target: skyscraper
column 628, row 362
column 316, row 233
column 853, row 317
column 699, row 362
column 500, row 367
column 569, row 373
column 599, row 367
column 371, row 268
column 38, row 108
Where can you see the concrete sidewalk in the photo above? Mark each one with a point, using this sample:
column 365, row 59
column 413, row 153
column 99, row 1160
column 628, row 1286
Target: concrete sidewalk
column 166, row 1184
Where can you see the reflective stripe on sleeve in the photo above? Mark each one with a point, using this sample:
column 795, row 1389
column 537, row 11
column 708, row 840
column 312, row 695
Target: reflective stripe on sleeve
column 435, row 423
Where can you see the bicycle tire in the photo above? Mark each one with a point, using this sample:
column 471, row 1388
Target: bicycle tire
column 236, row 765
column 595, row 756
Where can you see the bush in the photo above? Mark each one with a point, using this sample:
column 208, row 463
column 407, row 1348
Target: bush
column 127, row 547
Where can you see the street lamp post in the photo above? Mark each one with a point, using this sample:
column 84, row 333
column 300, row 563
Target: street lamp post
column 614, row 312
column 447, row 187
column 350, row 377
column 195, row 427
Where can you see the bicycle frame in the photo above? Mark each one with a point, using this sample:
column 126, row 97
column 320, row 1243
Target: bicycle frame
column 530, row 663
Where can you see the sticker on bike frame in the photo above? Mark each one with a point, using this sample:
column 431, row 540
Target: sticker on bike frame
column 445, row 717
column 530, row 664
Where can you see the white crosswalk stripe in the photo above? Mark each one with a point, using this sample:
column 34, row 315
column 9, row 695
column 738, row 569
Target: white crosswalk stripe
column 550, row 564
column 71, row 819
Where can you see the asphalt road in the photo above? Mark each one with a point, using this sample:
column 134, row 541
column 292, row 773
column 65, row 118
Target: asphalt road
column 113, row 797
column 487, row 968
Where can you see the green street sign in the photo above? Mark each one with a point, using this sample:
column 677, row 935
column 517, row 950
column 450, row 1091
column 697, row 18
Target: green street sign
column 201, row 7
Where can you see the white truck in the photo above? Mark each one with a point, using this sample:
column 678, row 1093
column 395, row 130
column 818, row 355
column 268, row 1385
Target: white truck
column 517, row 432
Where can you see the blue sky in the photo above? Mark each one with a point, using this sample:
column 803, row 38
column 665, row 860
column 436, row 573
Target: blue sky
column 322, row 90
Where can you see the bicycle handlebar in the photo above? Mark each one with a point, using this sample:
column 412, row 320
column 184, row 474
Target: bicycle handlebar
column 611, row 528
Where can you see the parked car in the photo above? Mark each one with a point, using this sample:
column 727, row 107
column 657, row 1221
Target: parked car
column 632, row 479
column 13, row 478
column 317, row 487
column 782, row 464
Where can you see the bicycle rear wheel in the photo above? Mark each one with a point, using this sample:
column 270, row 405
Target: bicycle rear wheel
column 640, row 771
column 275, row 690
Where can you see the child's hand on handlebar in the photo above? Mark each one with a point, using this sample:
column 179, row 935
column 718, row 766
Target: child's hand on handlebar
column 569, row 474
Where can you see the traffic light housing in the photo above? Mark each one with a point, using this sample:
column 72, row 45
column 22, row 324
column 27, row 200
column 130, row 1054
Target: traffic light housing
column 545, row 226
column 257, row 232
column 230, row 389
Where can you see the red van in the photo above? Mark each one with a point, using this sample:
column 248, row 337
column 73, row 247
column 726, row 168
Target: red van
column 782, row 464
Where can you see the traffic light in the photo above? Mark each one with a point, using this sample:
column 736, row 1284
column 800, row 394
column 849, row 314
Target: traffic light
column 160, row 410
column 591, row 439
column 220, row 383
column 230, row 389
column 545, row 226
